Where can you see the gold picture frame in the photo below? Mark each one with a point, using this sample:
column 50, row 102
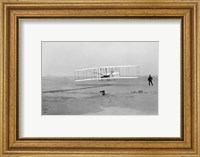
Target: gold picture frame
column 12, row 11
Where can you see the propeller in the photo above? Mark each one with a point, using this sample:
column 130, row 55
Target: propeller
column 97, row 73
column 104, row 74
column 111, row 72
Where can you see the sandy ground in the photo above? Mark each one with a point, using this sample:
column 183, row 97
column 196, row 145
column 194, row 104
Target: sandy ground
column 61, row 96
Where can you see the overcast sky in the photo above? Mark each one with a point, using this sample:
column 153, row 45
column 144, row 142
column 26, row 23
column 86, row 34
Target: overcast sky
column 62, row 58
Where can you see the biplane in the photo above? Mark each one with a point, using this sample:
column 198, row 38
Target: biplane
column 107, row 73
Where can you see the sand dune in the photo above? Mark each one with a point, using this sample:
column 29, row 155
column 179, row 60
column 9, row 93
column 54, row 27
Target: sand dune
column 61, row 96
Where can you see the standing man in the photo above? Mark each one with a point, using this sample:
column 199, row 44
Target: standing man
column 150, row 78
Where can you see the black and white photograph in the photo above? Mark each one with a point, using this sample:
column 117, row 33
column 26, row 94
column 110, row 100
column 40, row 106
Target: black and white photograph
column 100, row 77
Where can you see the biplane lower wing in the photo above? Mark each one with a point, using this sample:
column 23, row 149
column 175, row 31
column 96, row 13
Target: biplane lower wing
column 107, row 73
column 95, row 79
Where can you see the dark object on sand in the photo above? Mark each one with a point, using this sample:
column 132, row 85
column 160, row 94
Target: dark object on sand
column 102, row 92
column 150, row 78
